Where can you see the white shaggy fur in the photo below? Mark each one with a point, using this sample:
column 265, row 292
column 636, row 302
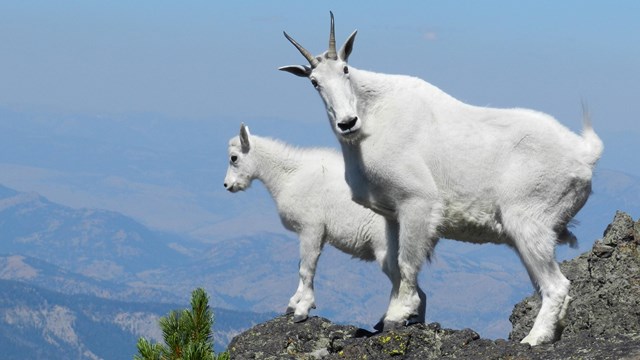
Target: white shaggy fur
column 443, row 168
column 314, row 201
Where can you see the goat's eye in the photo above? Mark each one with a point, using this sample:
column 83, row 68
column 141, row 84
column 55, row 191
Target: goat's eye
column 314, row 82
column 234, row 158
column 346, row 70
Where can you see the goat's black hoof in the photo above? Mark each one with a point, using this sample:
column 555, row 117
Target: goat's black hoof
column 394, row 325
column 414, row 320
column 386, row 325
column 300, row 318
column 379, row 326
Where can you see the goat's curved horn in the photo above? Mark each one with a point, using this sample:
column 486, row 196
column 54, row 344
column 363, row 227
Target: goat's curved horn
column 307, row 55
column 331, row 54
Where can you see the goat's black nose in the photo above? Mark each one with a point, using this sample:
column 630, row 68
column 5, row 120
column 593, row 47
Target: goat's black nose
column 225, row 185
column 348, row 124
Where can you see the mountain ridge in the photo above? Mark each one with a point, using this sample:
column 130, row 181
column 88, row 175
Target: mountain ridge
column 38, row 323
column 46, row 251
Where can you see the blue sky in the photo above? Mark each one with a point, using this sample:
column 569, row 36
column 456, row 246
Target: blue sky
column 217, row 61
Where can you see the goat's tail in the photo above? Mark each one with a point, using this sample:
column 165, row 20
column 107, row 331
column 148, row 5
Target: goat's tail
column 593, row 144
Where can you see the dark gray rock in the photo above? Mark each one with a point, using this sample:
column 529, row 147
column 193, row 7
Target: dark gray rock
column 605, row 289
column 281, row 338
column 620, row 230
column 603, row 320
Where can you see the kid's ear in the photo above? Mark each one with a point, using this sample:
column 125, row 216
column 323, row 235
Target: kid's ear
column 298, row 70
column 245, row 143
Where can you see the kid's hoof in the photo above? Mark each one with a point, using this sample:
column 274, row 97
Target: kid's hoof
column 299, row 318
column 290, row 310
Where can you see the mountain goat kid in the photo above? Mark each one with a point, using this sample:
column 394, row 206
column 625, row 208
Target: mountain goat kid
column 443, row 168
column 314, row 201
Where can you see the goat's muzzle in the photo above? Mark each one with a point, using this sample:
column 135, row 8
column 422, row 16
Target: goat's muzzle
column 348, row 125
column 229, row 187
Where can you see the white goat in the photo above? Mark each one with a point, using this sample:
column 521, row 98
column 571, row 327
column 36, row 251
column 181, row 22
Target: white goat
column 443, row 168
column 314, row 201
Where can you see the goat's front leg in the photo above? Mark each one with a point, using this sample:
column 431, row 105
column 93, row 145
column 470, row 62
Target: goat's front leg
column 304, row 299
column 387, row 257
column 418, row 221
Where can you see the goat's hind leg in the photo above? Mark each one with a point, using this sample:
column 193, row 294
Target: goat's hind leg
column 535, row 244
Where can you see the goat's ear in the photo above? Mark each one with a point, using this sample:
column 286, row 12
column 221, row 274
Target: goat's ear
column 298, row 70
column 245, row 143
column 346, row 49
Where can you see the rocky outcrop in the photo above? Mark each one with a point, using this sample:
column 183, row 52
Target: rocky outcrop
column 603, row 321
column 605, row 287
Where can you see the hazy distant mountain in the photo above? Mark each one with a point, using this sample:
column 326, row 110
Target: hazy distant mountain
column 100, row 244
column 51, row 277
column 42, row 324
column 64, row 272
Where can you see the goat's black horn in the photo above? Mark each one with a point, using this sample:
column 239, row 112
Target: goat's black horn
column 307, row 55
column 331, row 54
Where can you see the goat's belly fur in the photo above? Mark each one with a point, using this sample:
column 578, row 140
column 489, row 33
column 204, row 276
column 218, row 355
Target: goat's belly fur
column 472, row 223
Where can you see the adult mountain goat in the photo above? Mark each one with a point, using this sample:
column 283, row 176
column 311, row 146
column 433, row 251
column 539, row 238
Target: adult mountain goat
column 314, row 201
column 443, row 168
